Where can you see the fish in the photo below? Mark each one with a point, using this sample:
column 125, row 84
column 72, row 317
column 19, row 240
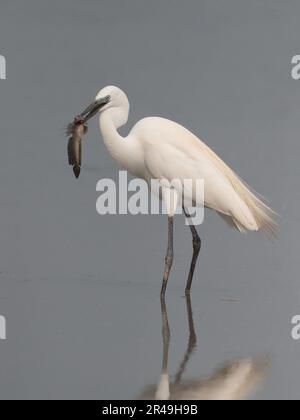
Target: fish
column 77, row 129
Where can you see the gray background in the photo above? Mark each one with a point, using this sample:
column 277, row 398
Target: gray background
column 80, row 291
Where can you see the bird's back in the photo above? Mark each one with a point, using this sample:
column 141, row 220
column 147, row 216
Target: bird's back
column 173, row 152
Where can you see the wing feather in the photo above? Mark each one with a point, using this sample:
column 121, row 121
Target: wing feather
column 173, row 152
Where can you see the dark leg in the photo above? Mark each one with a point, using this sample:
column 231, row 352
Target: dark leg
column 165, row 334
column 196, row 250
column 169, row 256
column 192, row 343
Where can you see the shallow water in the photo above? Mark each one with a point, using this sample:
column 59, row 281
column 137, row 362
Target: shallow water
column 103, row 340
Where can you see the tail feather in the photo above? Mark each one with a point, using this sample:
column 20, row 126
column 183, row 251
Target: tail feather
column 232, row 222
column 263, row 215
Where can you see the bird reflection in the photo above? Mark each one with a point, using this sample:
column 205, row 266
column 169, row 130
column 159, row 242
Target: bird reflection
column 234, row 380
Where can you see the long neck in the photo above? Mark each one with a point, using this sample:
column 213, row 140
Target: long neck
column 119, row 147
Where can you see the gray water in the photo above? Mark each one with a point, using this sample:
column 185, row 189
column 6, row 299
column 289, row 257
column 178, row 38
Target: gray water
column 80, row 292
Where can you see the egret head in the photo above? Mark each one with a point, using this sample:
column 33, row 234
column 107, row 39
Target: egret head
column 117, row 98
column 117, row 105
column 109, row 98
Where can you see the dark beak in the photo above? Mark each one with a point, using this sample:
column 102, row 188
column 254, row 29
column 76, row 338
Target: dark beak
column 87, row 114
column 93, row 108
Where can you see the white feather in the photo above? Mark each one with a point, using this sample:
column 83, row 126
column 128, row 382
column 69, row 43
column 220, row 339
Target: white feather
column 162, row 149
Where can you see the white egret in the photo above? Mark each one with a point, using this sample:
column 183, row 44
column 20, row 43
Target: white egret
column 160, row 149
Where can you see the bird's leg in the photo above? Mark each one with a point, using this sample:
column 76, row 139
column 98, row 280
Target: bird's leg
column 165, row 334
column 169, row 256
column 196, row 250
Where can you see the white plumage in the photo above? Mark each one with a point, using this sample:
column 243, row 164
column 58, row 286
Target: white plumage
column 162, row 149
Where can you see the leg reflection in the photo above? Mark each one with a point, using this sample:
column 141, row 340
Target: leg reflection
column 163, row 387
column 234, row 380
column 192, row 343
